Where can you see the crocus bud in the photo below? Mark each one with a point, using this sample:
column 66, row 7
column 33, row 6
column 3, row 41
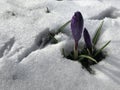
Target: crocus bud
column 87, row 39
column 77, row 26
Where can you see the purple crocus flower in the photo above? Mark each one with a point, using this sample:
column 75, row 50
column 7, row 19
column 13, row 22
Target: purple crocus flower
column 87, row 39
column 77, row 23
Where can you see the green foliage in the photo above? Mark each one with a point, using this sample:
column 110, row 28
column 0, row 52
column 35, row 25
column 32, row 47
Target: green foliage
column 52, row 35
column 63, row 26
column 88, row 57
column 97, row 34
column 102, row 48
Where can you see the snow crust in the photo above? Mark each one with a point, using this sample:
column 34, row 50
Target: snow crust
column 26, row 65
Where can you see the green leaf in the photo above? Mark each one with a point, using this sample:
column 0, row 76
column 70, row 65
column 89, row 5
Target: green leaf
column 63, row 26
column 53, row 38
column 88, row 57
column 102, row 48
column 88, row 51
column 97, row 34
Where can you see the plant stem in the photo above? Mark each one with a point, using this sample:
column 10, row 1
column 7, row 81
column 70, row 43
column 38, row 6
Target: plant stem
column 76, row 50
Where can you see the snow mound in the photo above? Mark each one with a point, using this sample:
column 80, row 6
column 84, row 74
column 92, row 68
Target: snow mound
column 26, row 63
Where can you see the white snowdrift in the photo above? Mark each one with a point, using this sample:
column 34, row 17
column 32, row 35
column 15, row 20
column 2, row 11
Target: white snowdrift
column 26, row 65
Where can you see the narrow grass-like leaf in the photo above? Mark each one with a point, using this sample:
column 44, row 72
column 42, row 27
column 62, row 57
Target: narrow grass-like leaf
column 97, row 34
column 63, row 26
column 88, row 51
column 53, row 38
column 102, row 48
column 58, row 31
column 88, row 57
column 80, row 59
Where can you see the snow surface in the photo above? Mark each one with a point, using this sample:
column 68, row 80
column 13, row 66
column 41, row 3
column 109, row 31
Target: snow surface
column 26, row 65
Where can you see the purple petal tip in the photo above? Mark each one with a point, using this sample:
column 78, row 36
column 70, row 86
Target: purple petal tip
column 87, row 39
column 77, row 23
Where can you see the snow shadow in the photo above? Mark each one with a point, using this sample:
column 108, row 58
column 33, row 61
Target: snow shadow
column 68, row 46
column 111, row 12
column 41, row 41
column 112, row 70
column 7, row 47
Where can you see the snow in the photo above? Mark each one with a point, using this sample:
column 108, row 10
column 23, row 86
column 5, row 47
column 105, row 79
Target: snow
column 26, row 65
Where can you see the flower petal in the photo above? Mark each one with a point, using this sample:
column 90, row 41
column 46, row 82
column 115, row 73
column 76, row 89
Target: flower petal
column 87, row 39
column 77, row 23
